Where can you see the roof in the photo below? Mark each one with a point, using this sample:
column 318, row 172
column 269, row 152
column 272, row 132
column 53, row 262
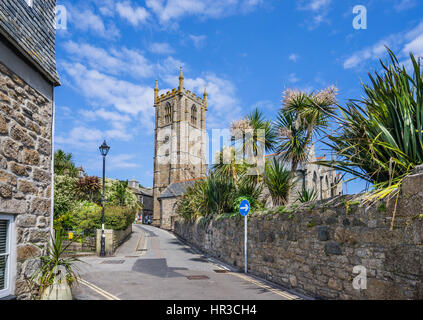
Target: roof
column 177, row 189
column 31, row 31
column 146, row 192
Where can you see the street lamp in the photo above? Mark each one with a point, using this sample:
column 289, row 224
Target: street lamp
column 104, row 150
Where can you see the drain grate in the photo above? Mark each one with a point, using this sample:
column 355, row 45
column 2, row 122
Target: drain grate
column 113, row 262
column 197, row 278
column 221, row 271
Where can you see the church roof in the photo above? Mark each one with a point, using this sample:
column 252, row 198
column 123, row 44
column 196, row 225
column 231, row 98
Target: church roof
column 177, row 189
column 32, row 32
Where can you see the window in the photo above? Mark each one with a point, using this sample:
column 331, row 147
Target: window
column 194, row 115
column 5, row 259
column 168, row 113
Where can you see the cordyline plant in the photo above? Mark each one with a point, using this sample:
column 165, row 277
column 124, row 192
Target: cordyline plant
column 380, row 138
column 54, row 266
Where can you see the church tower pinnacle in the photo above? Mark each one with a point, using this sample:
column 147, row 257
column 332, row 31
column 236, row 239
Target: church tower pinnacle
column 181, row 81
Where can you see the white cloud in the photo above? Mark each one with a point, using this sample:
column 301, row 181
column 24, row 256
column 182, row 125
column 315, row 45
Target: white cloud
column 87, row 20
column 115, row 61
column 223, row 104
column 134, row 15
column 107, row 91
column 122, row 161
column 319, row 10
column 404, row 42
column 82, row 138
column 294, row 57
column 405, row 5
column 168, row 10
column 293, row 78
column 161, row 48
column 198, row 40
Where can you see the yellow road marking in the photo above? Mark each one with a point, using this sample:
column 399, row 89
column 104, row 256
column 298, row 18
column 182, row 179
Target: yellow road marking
column 100, row 291
column 265, row 286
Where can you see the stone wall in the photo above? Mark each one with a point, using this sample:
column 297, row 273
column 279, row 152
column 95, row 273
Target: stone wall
column 314, row 248
column 25, row 166
column 167, row 208
column 114, row 238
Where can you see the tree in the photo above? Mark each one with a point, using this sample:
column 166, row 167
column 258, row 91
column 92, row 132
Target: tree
column 64, row 165
column 380, row 138
column 88, row 188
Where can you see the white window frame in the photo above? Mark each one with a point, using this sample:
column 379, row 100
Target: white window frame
column 10, row 265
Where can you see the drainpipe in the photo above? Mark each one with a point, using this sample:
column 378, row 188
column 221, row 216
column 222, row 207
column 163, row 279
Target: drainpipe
column 52, row 171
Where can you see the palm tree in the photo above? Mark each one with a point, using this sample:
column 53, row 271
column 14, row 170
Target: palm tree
column 63, row 164
column 293, row 139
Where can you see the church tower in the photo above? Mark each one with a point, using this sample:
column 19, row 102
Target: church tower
column 180, row 140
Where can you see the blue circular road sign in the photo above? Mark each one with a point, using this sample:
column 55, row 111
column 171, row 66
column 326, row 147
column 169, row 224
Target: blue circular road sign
column 244, row 208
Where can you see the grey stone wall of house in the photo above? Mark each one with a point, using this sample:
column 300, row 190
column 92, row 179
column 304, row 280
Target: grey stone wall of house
column 314, row 249
column 25, row 169
column 31, row 30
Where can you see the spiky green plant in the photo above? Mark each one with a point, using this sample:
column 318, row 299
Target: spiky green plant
column 54, row 265
column 380, row 139
column 278, row 181
column 307, row 195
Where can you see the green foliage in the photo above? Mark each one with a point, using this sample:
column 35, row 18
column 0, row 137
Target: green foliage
column 217, row 195
column 277, row 181
column 381, row 136
column 119, row 194
column 65, row 197
column 88, row 188
column 307, row 195
column 63, row 164
column 54, row 267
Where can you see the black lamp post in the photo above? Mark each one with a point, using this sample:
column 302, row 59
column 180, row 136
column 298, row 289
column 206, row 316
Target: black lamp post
column 104, row 150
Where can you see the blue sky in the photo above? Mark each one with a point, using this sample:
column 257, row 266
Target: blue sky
column 245, row 52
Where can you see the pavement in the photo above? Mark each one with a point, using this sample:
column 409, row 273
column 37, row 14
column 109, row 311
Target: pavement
column 155, row 265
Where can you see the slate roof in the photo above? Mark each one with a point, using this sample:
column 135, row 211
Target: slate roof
column 31, row 31
column 146, row 192
column 177, row 189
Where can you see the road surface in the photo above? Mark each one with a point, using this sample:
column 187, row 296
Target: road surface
column 154, row 265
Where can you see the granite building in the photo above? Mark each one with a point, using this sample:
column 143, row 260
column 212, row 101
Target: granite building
column 27, row 80
column 180, row 146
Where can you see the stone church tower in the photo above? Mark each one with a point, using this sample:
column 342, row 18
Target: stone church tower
column 180, row 146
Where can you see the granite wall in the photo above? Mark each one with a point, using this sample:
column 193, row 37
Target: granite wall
column 314, row 248
column 25, row 170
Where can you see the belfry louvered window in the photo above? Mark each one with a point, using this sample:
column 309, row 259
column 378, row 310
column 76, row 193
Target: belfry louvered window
column 194, row 115
column 5, row 228
column 168, row 113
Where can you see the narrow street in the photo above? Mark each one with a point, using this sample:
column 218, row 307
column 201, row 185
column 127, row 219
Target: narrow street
column 154, row 265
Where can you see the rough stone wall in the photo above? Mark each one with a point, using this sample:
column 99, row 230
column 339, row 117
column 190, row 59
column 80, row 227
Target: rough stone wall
column 168, row 208
column 314, row 249
column 25, row 166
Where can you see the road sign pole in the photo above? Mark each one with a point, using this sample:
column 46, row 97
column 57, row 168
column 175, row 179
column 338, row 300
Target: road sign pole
column 244, row 209
column 245, row 243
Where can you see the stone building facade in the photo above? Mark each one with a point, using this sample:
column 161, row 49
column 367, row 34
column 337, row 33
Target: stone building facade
column 27, row 80
column 180, row 141
column 324, row 181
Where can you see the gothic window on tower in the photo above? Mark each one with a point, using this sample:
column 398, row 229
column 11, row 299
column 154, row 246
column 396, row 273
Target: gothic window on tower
column 194, row 115
column 168, row 113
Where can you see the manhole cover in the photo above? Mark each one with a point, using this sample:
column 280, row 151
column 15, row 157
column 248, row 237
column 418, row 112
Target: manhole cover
column 221, row 271
column 113, row 262
column 197, row 278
